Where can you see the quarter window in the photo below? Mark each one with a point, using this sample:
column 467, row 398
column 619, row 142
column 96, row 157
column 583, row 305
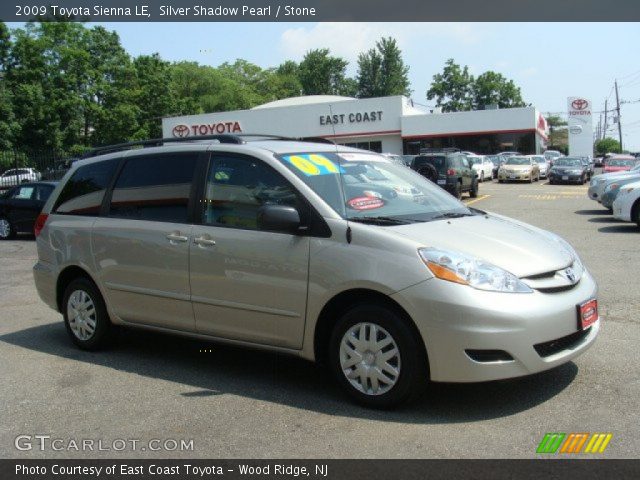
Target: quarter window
column 154, row 188
column 83, row 193
column 24, row 193
column 237, row 187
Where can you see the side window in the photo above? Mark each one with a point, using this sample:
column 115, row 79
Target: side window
column 237, row 187
column 154, row 188
column 23, row 193
column 43, row 192
column 83, row 193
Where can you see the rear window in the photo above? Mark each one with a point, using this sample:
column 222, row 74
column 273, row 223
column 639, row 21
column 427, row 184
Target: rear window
column 83, row 193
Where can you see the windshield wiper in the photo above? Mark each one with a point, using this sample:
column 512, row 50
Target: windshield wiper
column 379, row 220
column 452, row 215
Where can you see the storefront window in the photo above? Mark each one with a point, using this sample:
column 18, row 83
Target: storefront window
column 523, row 142
column 371, row 146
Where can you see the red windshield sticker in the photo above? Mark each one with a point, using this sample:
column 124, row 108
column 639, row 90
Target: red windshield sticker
column 365, row 203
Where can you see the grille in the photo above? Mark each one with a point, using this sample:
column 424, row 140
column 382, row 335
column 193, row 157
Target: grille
column 552, row 347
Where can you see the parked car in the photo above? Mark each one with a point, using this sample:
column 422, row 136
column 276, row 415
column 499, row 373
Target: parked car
column 20, row 206
column 508, row 154
column 497, row 161
column 552, row 155
column 588, row 164
column 398, row 159
column 449, row 170
column 389, row 294
column 619, row 163
column 599, row 182
column 483, row 167
column 627, row 204
column 613, row 187
column 568, row 170
column 16, row 176
column 598, row 161
column 519, row 168
column 543, row 164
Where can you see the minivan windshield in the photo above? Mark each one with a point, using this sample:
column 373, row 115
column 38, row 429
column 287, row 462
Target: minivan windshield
column 369, row 188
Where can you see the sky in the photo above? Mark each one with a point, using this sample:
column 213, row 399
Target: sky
column 549, row 61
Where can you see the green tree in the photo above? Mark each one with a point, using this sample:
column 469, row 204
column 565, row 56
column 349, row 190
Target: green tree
column 382, row 72
column 453, row 88
column 492, row 88
column 8, row 125
column 5, row 44
column 322, row 74
column 607, row 145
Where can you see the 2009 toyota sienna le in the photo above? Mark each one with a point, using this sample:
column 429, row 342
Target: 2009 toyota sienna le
column 300, row 247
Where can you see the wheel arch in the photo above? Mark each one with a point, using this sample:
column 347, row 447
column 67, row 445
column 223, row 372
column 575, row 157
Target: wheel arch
column 340, row 303
column 66, row 276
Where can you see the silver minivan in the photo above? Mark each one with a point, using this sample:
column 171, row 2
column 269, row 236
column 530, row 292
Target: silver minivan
column 263, row 243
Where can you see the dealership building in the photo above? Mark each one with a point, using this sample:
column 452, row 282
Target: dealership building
column 386, row 124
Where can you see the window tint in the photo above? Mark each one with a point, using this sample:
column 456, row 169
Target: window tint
column 83, row 193
column 43, row 192
column 24, row 193
column 154, row 188
column 236, row 189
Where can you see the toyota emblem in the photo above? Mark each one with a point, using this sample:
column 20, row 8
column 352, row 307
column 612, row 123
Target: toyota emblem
column 570, row 274
column 181, row 131
column 579, row 104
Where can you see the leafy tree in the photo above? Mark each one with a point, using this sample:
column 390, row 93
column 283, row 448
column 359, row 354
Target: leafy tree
column 382, row 72
column 492, row 88
column 322, row 74
column 607, row 145
column 453, row 88
column 5, row 44
column 8, row 125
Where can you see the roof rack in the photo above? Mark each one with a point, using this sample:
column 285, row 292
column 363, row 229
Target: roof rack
column 224, row 138
column 439, row 150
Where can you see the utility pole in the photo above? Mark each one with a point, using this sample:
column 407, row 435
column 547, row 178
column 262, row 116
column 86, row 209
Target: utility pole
column 619, row 122
column 606, row 116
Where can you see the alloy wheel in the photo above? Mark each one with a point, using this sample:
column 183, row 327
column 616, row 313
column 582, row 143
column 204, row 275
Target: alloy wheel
column 82, row 315
column 5, row 228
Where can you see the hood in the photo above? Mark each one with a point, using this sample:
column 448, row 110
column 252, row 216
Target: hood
column 616, row 169
column 517, row 167
column 519, row 248
column 566, row 168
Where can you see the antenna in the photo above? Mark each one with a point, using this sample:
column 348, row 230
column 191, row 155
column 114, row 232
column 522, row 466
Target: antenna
column 344, row 194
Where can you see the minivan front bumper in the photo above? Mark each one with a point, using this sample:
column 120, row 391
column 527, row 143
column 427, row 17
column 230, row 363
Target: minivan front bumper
column 537, row 330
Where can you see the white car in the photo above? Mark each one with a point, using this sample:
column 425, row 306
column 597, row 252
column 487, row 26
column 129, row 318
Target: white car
column 627, row 203
column 599, row 182
column 542, row 164
column 483, row 167
column 15, row 176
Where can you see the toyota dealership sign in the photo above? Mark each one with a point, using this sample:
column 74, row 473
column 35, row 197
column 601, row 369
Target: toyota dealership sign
column 580, row 126
column 183, row 130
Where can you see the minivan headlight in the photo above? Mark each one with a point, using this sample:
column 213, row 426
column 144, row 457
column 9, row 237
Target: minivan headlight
column 460, row 268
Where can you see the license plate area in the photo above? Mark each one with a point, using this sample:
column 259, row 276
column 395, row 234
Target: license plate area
column 442, row 182
column 587, row 313
column 565, row 177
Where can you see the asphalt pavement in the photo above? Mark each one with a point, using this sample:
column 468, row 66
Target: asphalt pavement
column 237, row 403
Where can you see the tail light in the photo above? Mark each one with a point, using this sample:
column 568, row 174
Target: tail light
column 451, row 171
column 39, row 225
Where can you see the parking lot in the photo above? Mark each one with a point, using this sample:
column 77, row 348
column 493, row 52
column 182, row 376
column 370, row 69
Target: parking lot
column 239, row 403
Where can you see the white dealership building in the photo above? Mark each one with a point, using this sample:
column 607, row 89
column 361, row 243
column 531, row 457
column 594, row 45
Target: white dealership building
column 386, row 124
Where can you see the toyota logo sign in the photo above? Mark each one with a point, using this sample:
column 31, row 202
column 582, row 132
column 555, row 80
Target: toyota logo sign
column 579, row 104
column 181, row 131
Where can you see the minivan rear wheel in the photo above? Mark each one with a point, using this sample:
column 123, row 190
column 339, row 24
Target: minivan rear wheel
column 85, row 315
column 376, row 358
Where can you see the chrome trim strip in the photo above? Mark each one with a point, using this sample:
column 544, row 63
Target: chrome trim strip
column 244, row 306
column 147, row 291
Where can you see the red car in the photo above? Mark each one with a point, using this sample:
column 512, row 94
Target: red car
column 619, row 163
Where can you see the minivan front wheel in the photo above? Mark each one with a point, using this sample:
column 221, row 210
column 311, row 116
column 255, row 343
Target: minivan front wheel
column 85, row 315
column 376, row 357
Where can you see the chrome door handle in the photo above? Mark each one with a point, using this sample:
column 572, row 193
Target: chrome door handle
column 205, row 240
column 177, row 237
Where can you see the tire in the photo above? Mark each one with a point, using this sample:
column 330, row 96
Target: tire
column 457, row 191
column 531, row 178
column 7, row 232
column 369, row 368
column 78, row 293
column 473, row 193
column 429, row 172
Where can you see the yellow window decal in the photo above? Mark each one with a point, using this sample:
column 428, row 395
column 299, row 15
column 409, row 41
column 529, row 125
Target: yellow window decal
column 312, row 164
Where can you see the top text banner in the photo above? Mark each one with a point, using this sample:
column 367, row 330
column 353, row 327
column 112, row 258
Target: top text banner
column 323, row 11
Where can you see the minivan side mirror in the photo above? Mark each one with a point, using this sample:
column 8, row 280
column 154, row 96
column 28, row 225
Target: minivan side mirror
column 279, row 218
